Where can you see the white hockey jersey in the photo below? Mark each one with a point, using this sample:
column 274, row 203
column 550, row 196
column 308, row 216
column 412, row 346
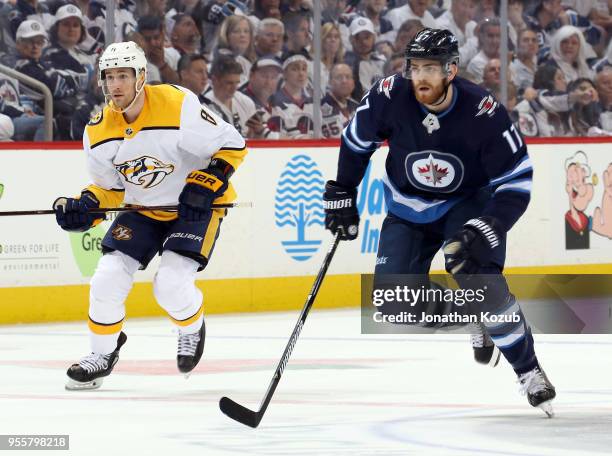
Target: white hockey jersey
column 146, row 162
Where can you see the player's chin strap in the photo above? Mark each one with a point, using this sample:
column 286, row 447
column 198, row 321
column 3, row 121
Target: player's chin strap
column 447, row 84
column 118, row 110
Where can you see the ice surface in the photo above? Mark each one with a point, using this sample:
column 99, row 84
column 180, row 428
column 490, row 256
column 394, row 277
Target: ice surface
column 343, row 393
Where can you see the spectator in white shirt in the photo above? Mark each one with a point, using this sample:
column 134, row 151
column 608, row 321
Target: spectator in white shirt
column 6, row 128
column 292, row 103
column 525, row 65
column 489, row 40
column 459, row 20
column 234, row 107
column 263, row 82
column 193, row 73
column 414, row 9
column 185, row 38
column 158, row 68
column 568, row 53
column 367, row 64
column 269, row 37
column 406, row 32
column 603, row 82
column 236, row 38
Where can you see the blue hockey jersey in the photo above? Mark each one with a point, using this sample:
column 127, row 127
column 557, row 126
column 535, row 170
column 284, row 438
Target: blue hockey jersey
column 436, row 160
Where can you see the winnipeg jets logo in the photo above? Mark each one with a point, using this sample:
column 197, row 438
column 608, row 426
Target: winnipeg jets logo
column 527, row 124
column 487, row 106
column 146, row 171
column 434, row 171
column 386, row 85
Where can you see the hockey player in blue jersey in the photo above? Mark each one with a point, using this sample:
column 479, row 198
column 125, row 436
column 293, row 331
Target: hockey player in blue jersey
column 457, row 177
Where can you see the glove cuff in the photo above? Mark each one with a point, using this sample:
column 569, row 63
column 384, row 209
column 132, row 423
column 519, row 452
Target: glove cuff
column 334, row 185
column 488, row 228
column 205, row 179
column 220, row 167
column 337, row 197
column 89, row 199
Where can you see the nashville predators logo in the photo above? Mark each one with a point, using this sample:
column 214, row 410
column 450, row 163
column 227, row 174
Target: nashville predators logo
column 95, row 119
column 122, row 233
column 146, row 171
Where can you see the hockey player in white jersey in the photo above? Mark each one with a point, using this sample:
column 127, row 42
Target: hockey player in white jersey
column 151, row 145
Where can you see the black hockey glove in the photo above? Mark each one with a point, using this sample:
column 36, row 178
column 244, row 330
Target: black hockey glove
column 72, row 214
column 341, row 210
column 472, row 247
column 202, row 188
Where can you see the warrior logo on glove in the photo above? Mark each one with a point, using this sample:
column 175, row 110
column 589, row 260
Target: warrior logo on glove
column 341, row 214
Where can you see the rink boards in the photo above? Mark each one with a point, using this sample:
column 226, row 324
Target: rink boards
column 266, row 256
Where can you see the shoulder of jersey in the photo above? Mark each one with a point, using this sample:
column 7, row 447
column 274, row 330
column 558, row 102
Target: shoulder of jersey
column 100, row 127
column 22, row 63
column 165, row 94
column 97, row 118
column 51, row 51
column 165, row 103
column 386, row 89
column 163, row 97
column 478, row 100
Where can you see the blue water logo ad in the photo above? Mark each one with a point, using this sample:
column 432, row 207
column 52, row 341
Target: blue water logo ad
column 299, row 206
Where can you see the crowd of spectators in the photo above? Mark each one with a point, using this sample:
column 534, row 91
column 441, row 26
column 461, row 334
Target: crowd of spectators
column 252, row 60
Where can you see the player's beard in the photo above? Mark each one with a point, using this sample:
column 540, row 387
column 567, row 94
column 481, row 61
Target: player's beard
column 432, row 95
column 124, row 101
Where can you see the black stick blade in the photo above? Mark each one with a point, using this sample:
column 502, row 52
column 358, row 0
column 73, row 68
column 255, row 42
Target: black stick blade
column 239, row 413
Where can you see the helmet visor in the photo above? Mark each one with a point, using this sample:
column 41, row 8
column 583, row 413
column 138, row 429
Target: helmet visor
column 420, row 69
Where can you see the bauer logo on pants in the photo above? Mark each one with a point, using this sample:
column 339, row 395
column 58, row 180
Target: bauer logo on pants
column 298, row 206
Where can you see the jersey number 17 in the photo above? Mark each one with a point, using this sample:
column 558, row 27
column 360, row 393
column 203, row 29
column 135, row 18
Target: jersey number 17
column 510, row 134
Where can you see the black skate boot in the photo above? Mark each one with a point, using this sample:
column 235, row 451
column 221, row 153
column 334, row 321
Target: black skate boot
column 540, row 392
column 485, row 351
column 90, row 371
column 190, row 349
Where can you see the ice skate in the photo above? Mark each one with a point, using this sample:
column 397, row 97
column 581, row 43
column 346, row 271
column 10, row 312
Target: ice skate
column 190, row 349
column 485, row 351
column 540, row 392
column 89, row 372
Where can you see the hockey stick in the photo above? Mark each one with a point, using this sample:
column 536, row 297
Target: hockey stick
column 248, row 417
column 103, row 210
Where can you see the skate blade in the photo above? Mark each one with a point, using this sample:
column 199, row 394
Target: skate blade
column 495, row 358
column 546, row 406
column 73, row 385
